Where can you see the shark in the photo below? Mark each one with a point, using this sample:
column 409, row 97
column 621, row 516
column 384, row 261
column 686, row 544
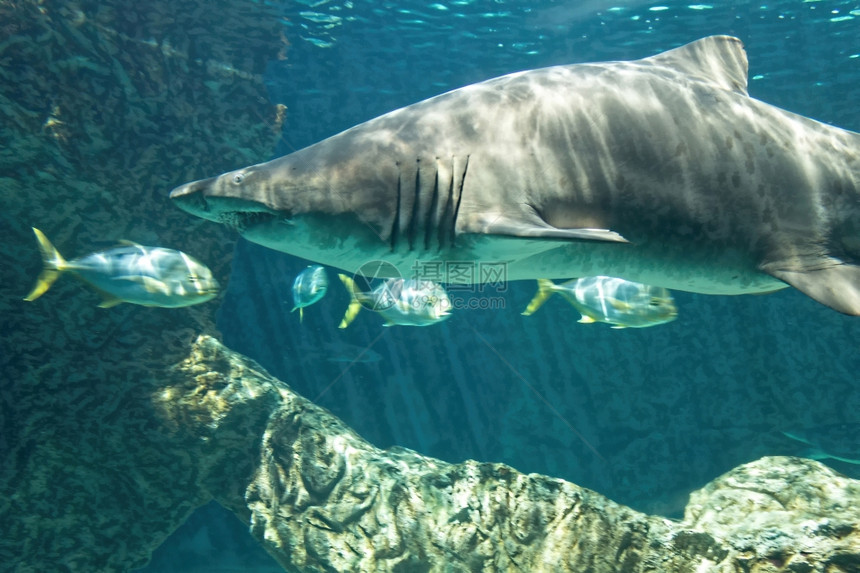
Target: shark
column 662, row 171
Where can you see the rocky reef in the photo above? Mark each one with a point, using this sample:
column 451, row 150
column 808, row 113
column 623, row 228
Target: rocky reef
column 104, row 106
column 320, row 498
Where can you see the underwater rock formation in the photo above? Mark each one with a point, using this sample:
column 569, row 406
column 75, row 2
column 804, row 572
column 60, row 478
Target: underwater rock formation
column 105, row 105
column 320, row 498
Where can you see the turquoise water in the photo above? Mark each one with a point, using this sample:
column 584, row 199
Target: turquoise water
column 642, row 416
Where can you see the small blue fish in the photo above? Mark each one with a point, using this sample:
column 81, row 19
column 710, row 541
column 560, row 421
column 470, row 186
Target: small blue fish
column 399, row 301
column 839, row 441
column 149, row 276
column 310, row 285
column 615, row 301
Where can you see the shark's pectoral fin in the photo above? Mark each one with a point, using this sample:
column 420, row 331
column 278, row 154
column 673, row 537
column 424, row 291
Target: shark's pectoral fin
column 836, row 286
column 511, row 227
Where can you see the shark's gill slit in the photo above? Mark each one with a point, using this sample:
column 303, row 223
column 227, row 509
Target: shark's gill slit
column 395, row 226
column 415, row 217
column 447, row 214
column 458, row 199
column 431, row 219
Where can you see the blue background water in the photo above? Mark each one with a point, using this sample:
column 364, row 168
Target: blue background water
column 642, row 416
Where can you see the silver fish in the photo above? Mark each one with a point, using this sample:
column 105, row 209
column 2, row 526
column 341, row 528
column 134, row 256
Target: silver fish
column 399, row 301
column 615, row 301
column 149, row 276
column 309, row 287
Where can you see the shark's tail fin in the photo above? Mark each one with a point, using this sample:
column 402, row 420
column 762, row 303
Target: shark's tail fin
column 545, row 289
column 354, row 304
column 54, row 265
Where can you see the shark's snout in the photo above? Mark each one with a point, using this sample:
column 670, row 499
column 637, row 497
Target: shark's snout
column 191, row 197
column 190, row 188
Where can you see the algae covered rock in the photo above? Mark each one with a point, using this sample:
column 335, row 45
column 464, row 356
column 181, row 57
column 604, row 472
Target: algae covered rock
column 319, row 497
column 792, row 514
column 104, row 106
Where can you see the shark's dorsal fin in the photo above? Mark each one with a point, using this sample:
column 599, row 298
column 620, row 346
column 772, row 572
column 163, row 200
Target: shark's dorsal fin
column 718, row 60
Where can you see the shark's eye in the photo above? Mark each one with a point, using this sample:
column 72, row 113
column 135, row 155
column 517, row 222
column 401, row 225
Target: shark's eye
column 193, row 278
column 238, row 178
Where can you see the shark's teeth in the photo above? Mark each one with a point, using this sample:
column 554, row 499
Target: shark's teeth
column 230, row 219
column 242, row 220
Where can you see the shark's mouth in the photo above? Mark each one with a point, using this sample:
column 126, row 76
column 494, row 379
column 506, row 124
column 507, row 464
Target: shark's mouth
column 241, row 221
column 237, row 213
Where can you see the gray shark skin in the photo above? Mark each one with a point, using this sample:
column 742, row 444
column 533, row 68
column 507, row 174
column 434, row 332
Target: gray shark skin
column 661, row 171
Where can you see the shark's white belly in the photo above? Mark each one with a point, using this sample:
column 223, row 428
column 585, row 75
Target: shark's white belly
column 487, row 258
column 722, row 274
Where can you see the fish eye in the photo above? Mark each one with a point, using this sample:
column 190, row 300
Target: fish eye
column 193, row 278
column 238, row 178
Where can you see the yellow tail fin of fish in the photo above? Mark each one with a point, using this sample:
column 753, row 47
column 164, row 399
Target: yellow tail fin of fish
column 54, row 265
column 301, row 310
column 354, row 304
column 545, row 289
